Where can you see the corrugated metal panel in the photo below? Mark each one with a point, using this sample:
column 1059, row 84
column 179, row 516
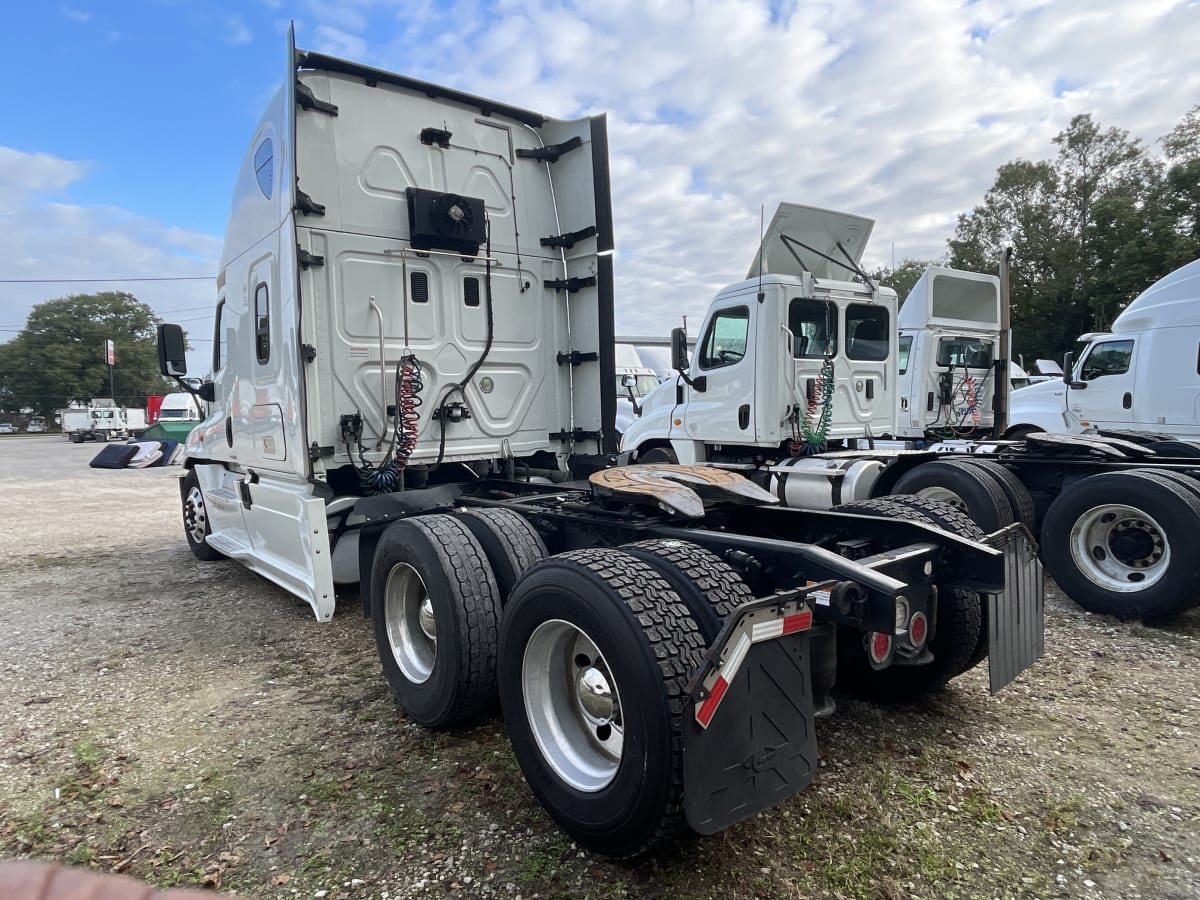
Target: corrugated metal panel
column 1016, row 618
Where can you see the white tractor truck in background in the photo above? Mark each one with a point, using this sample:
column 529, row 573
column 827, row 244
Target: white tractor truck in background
column 796, row 383
column 1141, row 378
column 413, row 397
column 634, row 381
column 102, row 420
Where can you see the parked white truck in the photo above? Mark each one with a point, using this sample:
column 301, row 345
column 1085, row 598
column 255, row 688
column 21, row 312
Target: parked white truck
column 795, row 382
column 414, row 393
column 1142, row 377
column 102, row 420
column 634, row 381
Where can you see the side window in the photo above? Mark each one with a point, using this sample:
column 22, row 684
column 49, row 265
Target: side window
column 219, row 339
column 264, row 159
column 905, row 348
column 262, row 323
column 813, row 324
column 867, row 332
column 725, row 342
column 1109, row 358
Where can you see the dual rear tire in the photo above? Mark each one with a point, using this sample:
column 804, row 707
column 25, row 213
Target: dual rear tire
column 589, row 651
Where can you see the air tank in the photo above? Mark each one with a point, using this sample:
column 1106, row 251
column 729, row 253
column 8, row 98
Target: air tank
column 821, row 483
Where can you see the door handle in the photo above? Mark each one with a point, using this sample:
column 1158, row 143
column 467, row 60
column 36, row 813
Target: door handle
column 229, row 431
column 744, row 416
column 870, row 388
column 1127, row 400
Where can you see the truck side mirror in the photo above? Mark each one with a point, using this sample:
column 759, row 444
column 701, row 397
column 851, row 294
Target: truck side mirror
column 172, row 351
column 679, row 360
column 1068, row 365
column 629, row 381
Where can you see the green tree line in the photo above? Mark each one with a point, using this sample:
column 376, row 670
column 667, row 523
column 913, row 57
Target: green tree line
column 1091, row 228
column 58, row 357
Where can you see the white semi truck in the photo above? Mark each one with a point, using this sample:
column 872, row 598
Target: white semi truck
column 1142, row 377
column 413, row 395
column 796, row 382
column 102, row 420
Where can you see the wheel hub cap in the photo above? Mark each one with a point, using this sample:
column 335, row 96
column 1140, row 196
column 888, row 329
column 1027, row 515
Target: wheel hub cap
column 594, row 695
column 425, row 617
column 194, row 517
column 1120, row 548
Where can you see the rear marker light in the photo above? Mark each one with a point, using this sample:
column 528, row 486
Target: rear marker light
column 879, row 649
column 918, row 630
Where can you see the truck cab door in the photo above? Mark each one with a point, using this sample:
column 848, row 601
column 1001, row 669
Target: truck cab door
column 723, row 412
column 870, row 339
column 1101, row 393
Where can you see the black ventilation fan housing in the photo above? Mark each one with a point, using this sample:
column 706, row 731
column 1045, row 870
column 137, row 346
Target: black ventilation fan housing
column 440, row 221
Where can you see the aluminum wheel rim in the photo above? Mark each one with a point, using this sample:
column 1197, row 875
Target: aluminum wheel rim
column 1120, row 547
column 411, row 627
column 945, row 495
column 195, row 517
column 573, row 705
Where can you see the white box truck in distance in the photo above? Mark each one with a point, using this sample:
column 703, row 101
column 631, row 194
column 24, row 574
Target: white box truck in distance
column 414, row 391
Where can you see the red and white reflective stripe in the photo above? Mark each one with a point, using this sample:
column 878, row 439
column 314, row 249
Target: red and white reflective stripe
column 739, row 647
column 706, row 710
column 764, row 631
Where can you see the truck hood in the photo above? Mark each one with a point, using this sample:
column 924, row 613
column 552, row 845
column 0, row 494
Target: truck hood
column 820, row 229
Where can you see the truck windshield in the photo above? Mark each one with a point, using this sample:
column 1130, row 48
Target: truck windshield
column 813, row 324
column 971, row 353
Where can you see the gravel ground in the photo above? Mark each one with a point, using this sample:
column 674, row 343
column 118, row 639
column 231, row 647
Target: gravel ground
column 190, row 723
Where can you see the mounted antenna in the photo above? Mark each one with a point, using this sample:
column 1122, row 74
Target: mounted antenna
column 762, row 215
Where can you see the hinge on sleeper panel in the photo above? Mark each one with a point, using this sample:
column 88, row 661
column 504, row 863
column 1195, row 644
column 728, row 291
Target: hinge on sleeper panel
column 307, row 205
column 309, row 352
column 316, row 451
column 570, row 285
column 307, row 259
column 551, row 152
column 569, row 239
column 439, row 136
column 577, row 434
column 307, row 100
column 576, row 358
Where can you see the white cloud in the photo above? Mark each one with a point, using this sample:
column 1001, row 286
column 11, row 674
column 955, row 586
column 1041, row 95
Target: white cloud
column 236, row 31
column 901, row 112
column 76, row 15
column 47, row 236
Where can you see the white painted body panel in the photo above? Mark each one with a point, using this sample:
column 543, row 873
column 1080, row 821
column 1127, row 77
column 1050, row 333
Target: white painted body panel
column 769, row 379
column 299, row 345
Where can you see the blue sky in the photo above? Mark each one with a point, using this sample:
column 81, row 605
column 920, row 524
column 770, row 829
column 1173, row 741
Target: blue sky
column 159, row 98
column 127, row 121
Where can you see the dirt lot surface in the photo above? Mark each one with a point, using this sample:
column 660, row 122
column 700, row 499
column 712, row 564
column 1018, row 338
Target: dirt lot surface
column 189, row 723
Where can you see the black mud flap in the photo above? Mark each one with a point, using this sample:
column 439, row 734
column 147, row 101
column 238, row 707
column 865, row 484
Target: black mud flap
column 760, row 746
column 1017, row 616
